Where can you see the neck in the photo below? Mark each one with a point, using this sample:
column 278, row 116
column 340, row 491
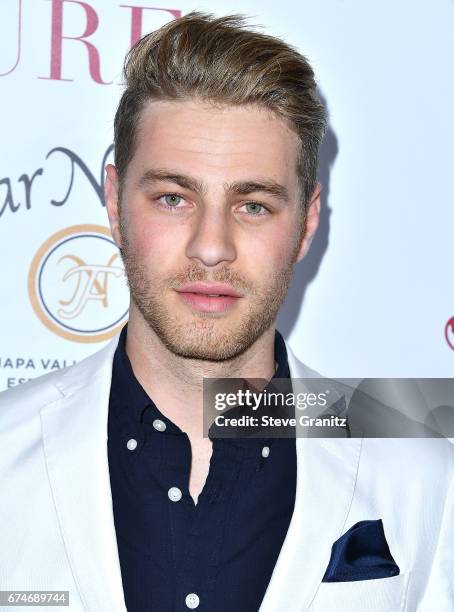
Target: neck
column 176, row 383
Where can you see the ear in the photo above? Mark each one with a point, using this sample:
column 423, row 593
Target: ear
column 111, row 190
column 311, row 222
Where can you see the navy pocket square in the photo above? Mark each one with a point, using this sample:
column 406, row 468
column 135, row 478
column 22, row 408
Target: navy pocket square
column 362, row 553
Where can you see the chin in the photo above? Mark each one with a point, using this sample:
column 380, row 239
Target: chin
column 203, row 345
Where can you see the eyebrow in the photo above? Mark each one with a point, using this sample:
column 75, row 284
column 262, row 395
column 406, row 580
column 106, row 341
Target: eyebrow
column 268, row 186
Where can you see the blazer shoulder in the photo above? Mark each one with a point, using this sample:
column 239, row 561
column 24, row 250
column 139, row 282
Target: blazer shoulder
column 428, row 460
column 21, row 403
column 40, row 387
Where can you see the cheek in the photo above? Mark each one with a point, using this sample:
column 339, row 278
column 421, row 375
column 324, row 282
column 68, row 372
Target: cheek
column 267, row 260
column 151, row 240
column 273, row 247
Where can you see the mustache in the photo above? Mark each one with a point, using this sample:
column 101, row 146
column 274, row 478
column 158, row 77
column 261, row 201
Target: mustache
column 195, row 273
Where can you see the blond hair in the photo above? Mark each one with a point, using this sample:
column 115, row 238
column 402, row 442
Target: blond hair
column 220, row 60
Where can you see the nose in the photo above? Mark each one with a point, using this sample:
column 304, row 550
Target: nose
column 211, row 241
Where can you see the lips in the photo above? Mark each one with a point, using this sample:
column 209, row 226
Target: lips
column 213, row 297
column 216, row 289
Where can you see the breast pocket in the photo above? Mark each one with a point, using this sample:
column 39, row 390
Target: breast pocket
column 380, row 595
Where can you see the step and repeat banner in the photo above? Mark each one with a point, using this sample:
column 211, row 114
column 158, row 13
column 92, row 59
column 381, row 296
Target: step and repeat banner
column 374, row 297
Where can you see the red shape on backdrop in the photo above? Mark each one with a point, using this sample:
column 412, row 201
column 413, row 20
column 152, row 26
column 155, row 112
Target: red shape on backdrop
column 449, row 332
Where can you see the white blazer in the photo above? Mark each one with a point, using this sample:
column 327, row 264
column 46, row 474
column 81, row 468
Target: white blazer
column 56, row 522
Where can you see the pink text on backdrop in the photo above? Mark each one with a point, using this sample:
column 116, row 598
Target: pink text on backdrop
column 91, row 25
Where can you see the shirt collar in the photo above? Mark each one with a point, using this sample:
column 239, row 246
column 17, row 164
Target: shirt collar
column 127, row 391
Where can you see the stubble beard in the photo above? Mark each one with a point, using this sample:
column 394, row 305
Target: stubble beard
column 205, row 336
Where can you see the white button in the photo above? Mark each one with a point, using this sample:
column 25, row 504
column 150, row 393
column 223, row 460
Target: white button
column 192, row 601
column 159, row 425
column 266, row 451
column 132, row 444
column 175, row 494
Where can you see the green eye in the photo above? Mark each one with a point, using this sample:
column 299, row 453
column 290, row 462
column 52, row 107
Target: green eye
column 172, row 199
column 254, row 208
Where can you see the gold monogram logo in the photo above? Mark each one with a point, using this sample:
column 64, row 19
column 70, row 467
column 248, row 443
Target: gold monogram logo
column 91, row 284
column 76, row 284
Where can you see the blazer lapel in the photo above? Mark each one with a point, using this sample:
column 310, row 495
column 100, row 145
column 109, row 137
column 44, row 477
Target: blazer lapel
column 326, row 475
column 75, row 447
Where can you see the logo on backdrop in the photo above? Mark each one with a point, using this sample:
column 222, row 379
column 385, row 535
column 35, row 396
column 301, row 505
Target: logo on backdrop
column 77, row 285
column 449, row 332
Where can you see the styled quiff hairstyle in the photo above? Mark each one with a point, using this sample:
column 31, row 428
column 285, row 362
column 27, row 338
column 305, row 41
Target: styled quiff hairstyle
column 219, row 60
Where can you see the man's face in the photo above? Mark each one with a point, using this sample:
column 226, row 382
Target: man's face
column 210, row 197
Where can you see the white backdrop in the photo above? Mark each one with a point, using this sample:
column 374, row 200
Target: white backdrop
column 373, row 298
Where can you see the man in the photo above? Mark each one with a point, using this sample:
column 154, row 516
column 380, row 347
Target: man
column 110, row 490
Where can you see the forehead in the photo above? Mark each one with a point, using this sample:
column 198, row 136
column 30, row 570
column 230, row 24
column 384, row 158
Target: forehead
column 215, row 141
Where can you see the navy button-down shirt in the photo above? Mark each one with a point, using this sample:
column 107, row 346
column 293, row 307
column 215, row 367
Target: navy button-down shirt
column 214, row 556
